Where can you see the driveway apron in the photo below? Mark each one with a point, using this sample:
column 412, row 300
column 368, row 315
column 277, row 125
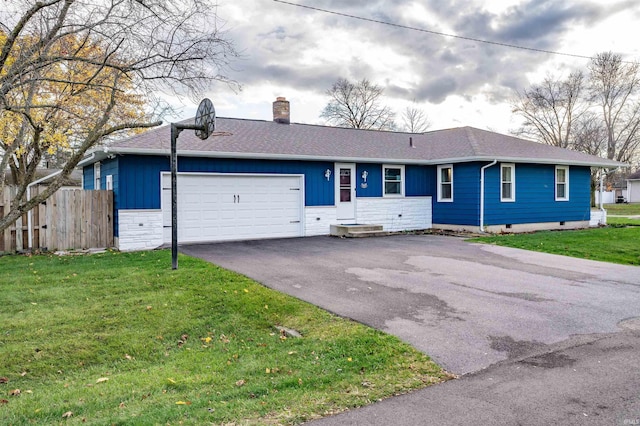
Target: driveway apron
column 466, row 305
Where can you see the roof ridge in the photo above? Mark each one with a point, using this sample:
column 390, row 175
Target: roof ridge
column 323, row 126
column 472, row 139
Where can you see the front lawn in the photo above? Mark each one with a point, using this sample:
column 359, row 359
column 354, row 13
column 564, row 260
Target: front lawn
column 608, row 244
column 122, row 339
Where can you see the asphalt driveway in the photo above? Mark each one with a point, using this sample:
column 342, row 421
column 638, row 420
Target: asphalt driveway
column 467, row 305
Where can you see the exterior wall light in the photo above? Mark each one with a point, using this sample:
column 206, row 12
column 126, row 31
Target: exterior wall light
column 364, row 176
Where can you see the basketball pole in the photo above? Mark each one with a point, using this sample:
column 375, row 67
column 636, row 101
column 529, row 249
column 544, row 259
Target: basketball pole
column 175, row 132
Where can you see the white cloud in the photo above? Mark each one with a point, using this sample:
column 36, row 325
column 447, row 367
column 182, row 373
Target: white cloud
column 298, row 53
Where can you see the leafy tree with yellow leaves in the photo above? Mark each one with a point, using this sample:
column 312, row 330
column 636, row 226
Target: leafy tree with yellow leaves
column 74, row 73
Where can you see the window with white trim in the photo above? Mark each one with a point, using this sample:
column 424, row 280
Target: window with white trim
column 445, row 183
column 108, row 182
column 96, row 175
column 393, row 181
column 507, row 182
column 562, row 183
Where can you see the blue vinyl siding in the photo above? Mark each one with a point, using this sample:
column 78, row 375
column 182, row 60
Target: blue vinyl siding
column 140, row 176
column 109, row 167
column 465, row 208
column 87, row 177
column 535, row 196
column 140, row 181
column 418, row 180
column 374, row 180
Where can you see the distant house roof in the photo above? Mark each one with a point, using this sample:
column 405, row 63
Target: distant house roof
column 240, row 138
column 634, row 176
column 74, row 179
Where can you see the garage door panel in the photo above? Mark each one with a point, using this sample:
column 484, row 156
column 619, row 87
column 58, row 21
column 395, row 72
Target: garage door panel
column 226, row 207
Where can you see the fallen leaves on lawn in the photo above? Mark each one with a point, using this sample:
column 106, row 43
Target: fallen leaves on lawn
column 102, row 380
column 15, row 392
column 240, row 382
column 67, row 415
column 183, row 402
column 4, row 379
column 4, row 401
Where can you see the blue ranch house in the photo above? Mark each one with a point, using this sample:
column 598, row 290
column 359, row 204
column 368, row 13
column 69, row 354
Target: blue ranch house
column 274, row 179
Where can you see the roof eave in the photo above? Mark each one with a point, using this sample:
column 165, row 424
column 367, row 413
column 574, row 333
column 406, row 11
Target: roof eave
column 99, row 155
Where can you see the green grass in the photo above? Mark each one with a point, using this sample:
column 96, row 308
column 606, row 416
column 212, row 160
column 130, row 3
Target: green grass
column 122, row 339
column 609, row 244
column 622, row 221
column 623, row 209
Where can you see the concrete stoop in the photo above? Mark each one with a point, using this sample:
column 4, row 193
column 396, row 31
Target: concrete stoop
column 357, row 231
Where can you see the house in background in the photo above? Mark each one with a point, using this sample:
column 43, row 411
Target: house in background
column 633, row 187
column 273, row 179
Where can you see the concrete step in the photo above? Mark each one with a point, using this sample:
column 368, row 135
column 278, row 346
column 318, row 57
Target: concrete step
column 356, row 230
column 363, row 234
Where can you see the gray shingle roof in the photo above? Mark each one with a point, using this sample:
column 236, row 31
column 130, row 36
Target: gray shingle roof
column 266, row 139
column 634, row 176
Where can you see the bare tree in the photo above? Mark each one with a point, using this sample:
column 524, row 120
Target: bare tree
column 589, row 135
column 549, row 110
column 615, row 89
column 415, row 120
column 74, row 72
column 358, row 105
column 598, row 114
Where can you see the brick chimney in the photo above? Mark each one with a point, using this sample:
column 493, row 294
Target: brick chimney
column 281, row 112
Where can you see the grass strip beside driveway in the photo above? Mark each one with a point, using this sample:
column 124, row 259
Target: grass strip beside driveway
column 120, row 338
column 623, row 209
column 619, row 244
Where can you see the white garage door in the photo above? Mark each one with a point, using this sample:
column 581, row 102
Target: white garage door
column 214, row 207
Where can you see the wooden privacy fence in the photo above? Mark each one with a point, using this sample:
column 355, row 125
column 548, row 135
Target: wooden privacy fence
column 69, row 219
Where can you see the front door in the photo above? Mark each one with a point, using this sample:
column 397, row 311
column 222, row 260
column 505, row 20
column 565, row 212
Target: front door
column 345, row 191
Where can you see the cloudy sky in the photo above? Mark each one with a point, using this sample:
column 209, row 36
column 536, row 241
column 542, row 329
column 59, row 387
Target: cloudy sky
column 298, row 53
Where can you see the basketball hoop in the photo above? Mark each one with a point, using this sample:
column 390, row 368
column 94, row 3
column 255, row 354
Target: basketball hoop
column 205, row 119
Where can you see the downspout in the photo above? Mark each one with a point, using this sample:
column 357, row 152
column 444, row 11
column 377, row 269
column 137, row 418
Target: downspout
column 602, row 189
column 602, row 175
column 30, row 212
column 482, row 169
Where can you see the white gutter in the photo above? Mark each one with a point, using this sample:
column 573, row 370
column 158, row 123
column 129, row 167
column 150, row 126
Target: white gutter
column 30, row 212
column 309, row 157
column 87, row 159
column 493, row 163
